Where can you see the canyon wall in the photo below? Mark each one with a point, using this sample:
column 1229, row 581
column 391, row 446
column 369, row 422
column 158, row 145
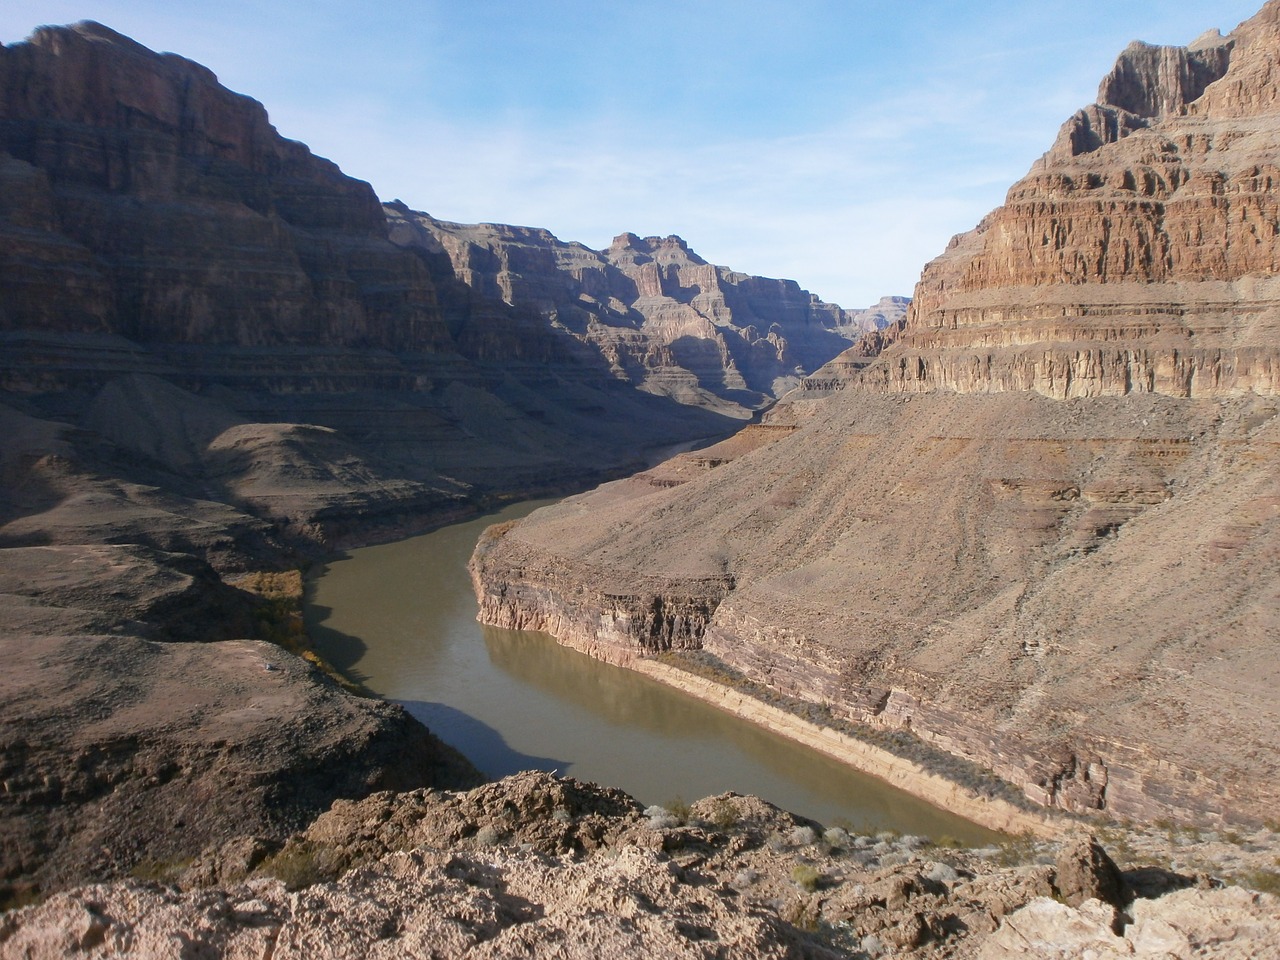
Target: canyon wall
column 183, row 216
column 655, row 312
column 1039, row 530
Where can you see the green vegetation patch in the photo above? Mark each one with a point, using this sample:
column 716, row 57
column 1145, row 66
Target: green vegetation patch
column 280, row 621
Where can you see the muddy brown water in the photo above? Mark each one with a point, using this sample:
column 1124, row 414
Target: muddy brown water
column 401, row 618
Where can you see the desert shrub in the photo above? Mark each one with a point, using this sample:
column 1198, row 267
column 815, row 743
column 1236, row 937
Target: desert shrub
column 1017, row 851
column 1264, row 881
column 660, row 818
column 298, row 865
column 802, row 836
column 725, row 814
column 942, row 873
column 678, row 809
column 806, row 876
column 158, row 871
column 836, row 837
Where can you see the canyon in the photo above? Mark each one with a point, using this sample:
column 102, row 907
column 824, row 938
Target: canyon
column 1029, row 518
column 1038, row 529
column 219, row 355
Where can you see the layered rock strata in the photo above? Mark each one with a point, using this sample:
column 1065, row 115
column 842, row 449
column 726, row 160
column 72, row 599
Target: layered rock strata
column 124, row 169
column 658, row 314
column 1039, row 530
column 168, row 261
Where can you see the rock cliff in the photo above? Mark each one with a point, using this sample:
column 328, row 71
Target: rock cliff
column 169, row 262
column 1139, row 254
column 1040, row 529
column 659, row 315
column 127, row 169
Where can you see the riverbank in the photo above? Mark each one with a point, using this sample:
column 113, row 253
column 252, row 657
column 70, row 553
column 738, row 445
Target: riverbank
column 990, row 812
column 522, row 589
column 401, row 620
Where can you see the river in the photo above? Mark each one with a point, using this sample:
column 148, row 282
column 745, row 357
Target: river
column 400, row 619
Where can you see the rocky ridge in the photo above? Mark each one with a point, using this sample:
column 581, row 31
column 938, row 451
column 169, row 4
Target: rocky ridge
column 658, row 314
column 1038, row 530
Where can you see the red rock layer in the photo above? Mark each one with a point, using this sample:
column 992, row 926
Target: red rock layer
column 1138, row 255
column 658, row 314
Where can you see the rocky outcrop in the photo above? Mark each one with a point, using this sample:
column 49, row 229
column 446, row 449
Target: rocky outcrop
column 1038, row 530
column 616, row 620
column 131, row 731
column 1137, row 256
column 1230, row 923
column 539, row 866
column 658, row 315
column 1083, row 871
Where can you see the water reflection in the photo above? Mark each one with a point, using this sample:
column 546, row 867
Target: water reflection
column 400, row 617
column 486, row 747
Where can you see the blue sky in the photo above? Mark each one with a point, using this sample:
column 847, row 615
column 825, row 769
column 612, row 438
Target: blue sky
column 840, row 144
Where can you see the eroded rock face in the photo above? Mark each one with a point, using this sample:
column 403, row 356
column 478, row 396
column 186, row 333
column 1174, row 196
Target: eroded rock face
column 1231, row 923
column 204, row 742
column 1039, row 529
column 223, row 305
column 658, row 314
column 616, row 621
column 1139, row 254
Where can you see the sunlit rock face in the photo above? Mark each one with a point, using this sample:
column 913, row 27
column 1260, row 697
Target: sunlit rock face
column 1138, row 255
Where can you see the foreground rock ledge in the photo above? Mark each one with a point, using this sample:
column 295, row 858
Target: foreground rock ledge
column 536, row 865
